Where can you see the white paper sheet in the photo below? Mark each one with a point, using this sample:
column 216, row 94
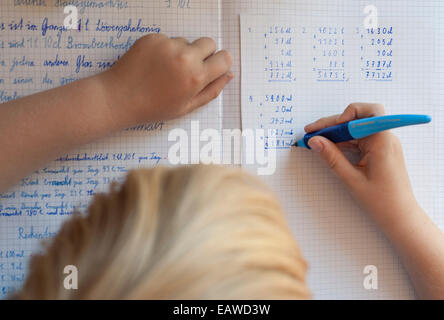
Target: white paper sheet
column 297, row 67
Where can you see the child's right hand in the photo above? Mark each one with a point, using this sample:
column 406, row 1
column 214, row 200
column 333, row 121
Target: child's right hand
column 161, row 78
column 379, row 182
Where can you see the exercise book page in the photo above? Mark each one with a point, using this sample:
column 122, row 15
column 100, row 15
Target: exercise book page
column 36, row 54
column 300, row 65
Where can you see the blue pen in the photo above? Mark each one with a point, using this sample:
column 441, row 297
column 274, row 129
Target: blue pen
column 362, row 128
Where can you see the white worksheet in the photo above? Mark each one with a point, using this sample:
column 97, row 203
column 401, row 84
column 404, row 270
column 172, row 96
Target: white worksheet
column 298, row 67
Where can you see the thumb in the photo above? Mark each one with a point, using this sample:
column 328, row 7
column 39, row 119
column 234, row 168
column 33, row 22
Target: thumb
column 335, row 159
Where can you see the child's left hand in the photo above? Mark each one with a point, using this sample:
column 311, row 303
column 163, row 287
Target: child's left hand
column 157, row 79
column 161, row 78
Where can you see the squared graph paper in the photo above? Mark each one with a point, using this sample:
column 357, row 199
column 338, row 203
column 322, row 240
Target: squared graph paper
column 304, row 61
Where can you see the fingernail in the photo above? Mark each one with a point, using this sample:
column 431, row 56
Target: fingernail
column 230, row 74
column 315, row 145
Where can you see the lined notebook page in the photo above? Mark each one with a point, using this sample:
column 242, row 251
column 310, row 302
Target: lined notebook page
column 300, row 65
column 34, row 57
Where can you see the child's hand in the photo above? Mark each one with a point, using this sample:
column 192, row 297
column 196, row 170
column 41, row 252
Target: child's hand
column 161, row 78
column 379, row 182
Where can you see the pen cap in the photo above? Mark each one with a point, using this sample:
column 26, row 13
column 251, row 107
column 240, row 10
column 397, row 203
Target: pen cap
column 365, row 127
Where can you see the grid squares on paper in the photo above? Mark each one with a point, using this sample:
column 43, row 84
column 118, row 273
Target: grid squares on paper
column 335, row 236
column 44, row 207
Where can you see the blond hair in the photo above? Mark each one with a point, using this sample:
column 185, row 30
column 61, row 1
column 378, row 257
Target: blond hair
column 198, row 232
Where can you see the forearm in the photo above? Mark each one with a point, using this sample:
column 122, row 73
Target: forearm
column 38, row 128
column 420, row 244
column 159, row 78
